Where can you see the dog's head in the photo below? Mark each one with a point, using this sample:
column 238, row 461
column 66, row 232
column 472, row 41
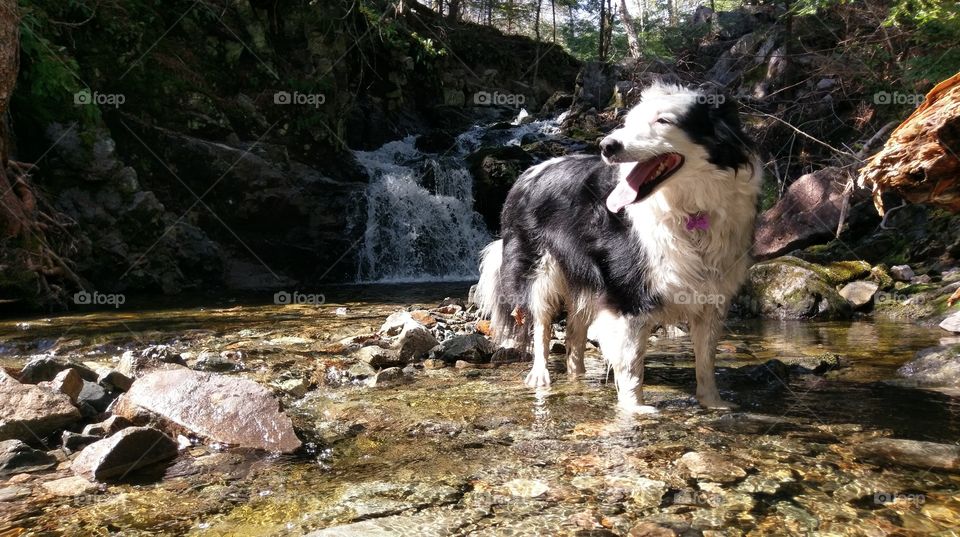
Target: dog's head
column 676, row 134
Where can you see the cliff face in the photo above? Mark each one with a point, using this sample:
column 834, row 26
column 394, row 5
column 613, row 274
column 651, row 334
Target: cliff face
column 194, row 145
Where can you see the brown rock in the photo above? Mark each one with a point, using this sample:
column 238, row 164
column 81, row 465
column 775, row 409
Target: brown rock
column 30, row 412
column 650, row 529
column 222, row 409
column 927, row 455
column 484, row 327
column 134, row 364
column 69, row 383
column 70, row 486
column 108, row 426
column 124, row 453
column 423, row 317
column 715, row 467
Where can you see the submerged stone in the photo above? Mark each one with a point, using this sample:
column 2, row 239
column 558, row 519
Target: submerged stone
column 927, row 455
column 124, row 453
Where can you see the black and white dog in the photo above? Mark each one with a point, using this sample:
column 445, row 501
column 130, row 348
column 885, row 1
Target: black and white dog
column 655, row 232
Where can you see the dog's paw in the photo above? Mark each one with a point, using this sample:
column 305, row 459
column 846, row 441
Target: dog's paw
column 636, row 408
column 537, row 378
column 718, row 404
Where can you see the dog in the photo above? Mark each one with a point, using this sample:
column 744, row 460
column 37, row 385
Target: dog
column 654, row 231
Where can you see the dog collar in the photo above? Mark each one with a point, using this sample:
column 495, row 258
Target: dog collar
column 699, row 220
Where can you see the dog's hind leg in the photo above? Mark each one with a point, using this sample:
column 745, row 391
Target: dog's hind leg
column 546, row 291
column 577, row 324
column 623, row 341
column 704, row 330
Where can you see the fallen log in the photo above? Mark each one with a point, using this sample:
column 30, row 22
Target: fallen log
column 921, row 160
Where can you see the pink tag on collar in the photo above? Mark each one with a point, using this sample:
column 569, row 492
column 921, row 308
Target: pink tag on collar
column 698, row 221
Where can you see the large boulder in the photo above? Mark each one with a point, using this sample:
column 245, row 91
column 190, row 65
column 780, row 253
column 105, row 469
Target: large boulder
column 124, row 453
column 934, row 367
column 951, row 323
column 221, row 409
column 494, row 171
column 17, row 457
column 789, row 288
column 30, row 413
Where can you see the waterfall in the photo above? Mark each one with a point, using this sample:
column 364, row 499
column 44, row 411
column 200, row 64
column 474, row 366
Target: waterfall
column 419, row 222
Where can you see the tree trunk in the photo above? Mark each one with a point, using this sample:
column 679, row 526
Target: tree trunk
column 454, row 8
column 536, row 22
column 630, row 29
column 553, row 11
column 602, row 32
column 12, row 209
column 672, row 12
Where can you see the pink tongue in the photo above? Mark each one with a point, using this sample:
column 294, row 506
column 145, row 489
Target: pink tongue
column 627, row 189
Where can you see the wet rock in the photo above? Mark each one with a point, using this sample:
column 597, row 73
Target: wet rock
column 72, row 442
column 31, row 412
column 651, row 529
column 124, row 453
column 508, row 355
column 295, row 387
column 859, row 293
column 13, row 493
column 788, row 288
column 741, row 423
column 69, row 487
column 424, row 318
column 46, row 368
column 716, row 467
column 902, row 273
column 222, row 409
column 431, row 363
column 395, row 323
column 217, row 362
column 17, row 457
column 377, row 357
column 69, row 383
column 472, row 348
column 430, row 522
column 134, row 364
column 415, row 342
column 484, row 327
column 526, row 488
column 495, row 170
column 114, row 380
column 390, row 375
column 952, row 323
column 95, row 395
column 935, row 367
column 107, row 427
column 926, row 455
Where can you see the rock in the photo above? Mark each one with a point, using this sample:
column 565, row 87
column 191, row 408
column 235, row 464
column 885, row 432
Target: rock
column 295, row 387
column 223, row 409
column 115, row 381
column 495, row 169
column 651, row 529
column 715, row 467
column 926, row 455
column 30, row 413
column 484, row 327
column 69, row 383
column 395, row 323
column 557, row 347
column 467, row 347
column 951, row 323
column 808, row 212
column 69, row 487
column 509, row 355
column 14, row 492
column 17, row 457
column 124, row 453
column 377, row 357
column 216, row 361
column 934, row 367
column 107, row 427
column 390, row 375
column 859, row 293
column 462, row 364
column 424, row 318
column 788, row 288
column 526, row 488
column 431, row 363
column 647, row 493
column 94, row 395
column 415, row 342
column 47, row 368
column 133, row 364
column 902, row 273
column 75, row 442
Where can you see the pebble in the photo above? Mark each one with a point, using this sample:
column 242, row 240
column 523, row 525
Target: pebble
column 715, row 467
column 902, row 273
column 952, row 323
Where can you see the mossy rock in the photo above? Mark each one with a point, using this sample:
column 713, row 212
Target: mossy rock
column 790, row 288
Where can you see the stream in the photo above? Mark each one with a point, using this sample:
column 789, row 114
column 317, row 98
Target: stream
column 471, row 451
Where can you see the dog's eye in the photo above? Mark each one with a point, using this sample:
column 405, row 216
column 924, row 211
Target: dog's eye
column 664, row 120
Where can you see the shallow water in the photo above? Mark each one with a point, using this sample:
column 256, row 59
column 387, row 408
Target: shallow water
column 471, row 451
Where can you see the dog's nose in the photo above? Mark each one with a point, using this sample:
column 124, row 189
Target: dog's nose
column 610, row 147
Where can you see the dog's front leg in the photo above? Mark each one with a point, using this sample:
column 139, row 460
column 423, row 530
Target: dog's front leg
column 705, row 330
column 623, row 340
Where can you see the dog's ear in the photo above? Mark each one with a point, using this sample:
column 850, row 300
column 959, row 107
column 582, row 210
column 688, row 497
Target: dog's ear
column 729, row 138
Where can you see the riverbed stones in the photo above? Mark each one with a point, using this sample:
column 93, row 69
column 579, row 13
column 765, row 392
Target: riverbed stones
column 951, row 323
column 715, row 467
column 71, row 442
column 69, row 487
column 395, row 323
column 859, row 293
column 902, row 273
column 46, row 368
column 472, row 348
column 926, row 455
column 228, row 410
column 69, row 383
column 135, row 364
column 17, row 457
column 108, row 426
column 378, row 357
column 934, row 367
column 124, row 453
column 789, row 288
column 386, row 377
column 415, row 342
column 30, row 412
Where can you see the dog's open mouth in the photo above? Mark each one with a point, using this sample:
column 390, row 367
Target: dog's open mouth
column 643, row 179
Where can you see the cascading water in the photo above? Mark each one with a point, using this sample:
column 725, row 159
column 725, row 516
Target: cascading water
column 419, row 223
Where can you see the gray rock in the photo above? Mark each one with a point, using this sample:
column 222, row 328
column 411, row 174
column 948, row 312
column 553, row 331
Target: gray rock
column 107, row 427
column 69, row 487
column 390, row 375
column 395, row 323
column 926, row 455
column 473, row 348
column 13, row 492
column 952, row 323
column 415, row 342
column 509, row 355
column 788, row 288
column 69, row 383
column 216, row 361
column 859, row 293
column 115, row 381
column 124, row 453
column 31, row 412
column 47, row 368
column 72, row 442
column 294, row 387
column 902, row 273
column 716, row 467
column 17, row 457
column 222, row 409
column 377, row 357
column 134, row 364
column 935, row 367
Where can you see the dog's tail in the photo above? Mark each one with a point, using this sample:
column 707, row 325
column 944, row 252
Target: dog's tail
column 490, row 297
